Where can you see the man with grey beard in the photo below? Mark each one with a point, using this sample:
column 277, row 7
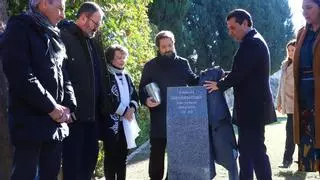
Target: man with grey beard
column 40, row 95
column 85, row 68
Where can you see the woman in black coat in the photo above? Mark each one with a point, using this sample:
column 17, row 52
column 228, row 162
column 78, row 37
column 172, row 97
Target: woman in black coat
column 121, row 103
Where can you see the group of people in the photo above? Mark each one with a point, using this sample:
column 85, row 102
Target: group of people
column 66, row 92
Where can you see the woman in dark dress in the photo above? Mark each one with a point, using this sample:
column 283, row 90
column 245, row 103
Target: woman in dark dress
column 307, row 89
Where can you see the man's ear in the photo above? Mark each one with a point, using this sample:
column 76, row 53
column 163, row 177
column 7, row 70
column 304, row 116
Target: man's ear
column 245, row 23
column 43, row 4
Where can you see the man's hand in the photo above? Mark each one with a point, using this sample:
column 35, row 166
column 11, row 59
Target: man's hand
column 151, row 102
column 129, row 114
column 60, row 114
column 211, row 86
column 66, row 115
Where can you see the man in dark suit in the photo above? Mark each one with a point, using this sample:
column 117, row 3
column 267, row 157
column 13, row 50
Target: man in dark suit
column 253, row 105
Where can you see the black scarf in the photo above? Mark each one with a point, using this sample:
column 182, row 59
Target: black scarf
column 55, row 45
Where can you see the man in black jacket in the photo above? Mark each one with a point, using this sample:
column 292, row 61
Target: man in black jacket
column 40, row 94
column 166, row 70
column 85, row 66
column 253, row 105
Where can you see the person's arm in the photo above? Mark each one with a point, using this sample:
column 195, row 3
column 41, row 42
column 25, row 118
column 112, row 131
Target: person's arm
column 134, row 100
column 145, row 79
column 193, row 79
column 69, row 99
column 17, row 65
column 280, row 86
column 145, row 99
column 69, row 96
column 133, row 105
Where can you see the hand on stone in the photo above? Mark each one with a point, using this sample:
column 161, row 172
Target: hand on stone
column 151, row 102
column 211, row 86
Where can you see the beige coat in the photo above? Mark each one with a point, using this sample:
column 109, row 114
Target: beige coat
column 286, row 86
column 316, row 73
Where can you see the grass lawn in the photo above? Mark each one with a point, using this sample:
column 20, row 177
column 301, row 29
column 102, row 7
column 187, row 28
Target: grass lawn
column 137, row 168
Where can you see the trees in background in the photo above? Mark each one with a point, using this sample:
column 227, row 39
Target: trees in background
column 203, row 28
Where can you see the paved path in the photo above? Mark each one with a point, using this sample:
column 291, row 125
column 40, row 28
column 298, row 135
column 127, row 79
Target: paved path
column 137, row 168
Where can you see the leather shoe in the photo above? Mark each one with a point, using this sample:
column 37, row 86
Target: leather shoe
column 286, row 164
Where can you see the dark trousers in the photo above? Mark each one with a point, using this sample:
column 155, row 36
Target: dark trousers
column 41, row 159
column 80, row 151
column 115, row 156
column 156, row 162
column 290, row 146
column 253, row 153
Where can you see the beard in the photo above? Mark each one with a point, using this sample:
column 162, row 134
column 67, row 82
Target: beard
column 166, row 59
column 167, row 54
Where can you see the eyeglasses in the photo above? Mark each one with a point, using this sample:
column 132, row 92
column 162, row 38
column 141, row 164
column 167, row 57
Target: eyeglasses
column 97, row 24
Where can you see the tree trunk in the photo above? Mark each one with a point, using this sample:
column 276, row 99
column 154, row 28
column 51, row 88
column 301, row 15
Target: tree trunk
column 5, row 146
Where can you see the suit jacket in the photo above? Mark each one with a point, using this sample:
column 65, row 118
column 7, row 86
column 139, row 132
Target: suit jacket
column 249, row 78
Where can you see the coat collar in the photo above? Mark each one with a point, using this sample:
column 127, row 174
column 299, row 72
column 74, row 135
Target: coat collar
column 250, row 34
column 71, row 27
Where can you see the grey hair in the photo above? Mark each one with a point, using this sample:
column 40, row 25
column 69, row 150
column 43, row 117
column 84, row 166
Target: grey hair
column 35, row 3
column 89, row 7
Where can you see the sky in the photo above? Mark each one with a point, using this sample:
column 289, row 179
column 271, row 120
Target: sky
column 296, row 10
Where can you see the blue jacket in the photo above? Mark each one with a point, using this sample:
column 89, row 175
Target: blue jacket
column 218, row 111
column 37, row 81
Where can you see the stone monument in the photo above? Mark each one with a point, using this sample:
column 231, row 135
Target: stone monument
column 189, row 156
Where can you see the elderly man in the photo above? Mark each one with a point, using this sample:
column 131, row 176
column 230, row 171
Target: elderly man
column 40, row 95
column 85, row 66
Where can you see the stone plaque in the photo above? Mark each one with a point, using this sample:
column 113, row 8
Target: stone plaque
column 189, row 156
